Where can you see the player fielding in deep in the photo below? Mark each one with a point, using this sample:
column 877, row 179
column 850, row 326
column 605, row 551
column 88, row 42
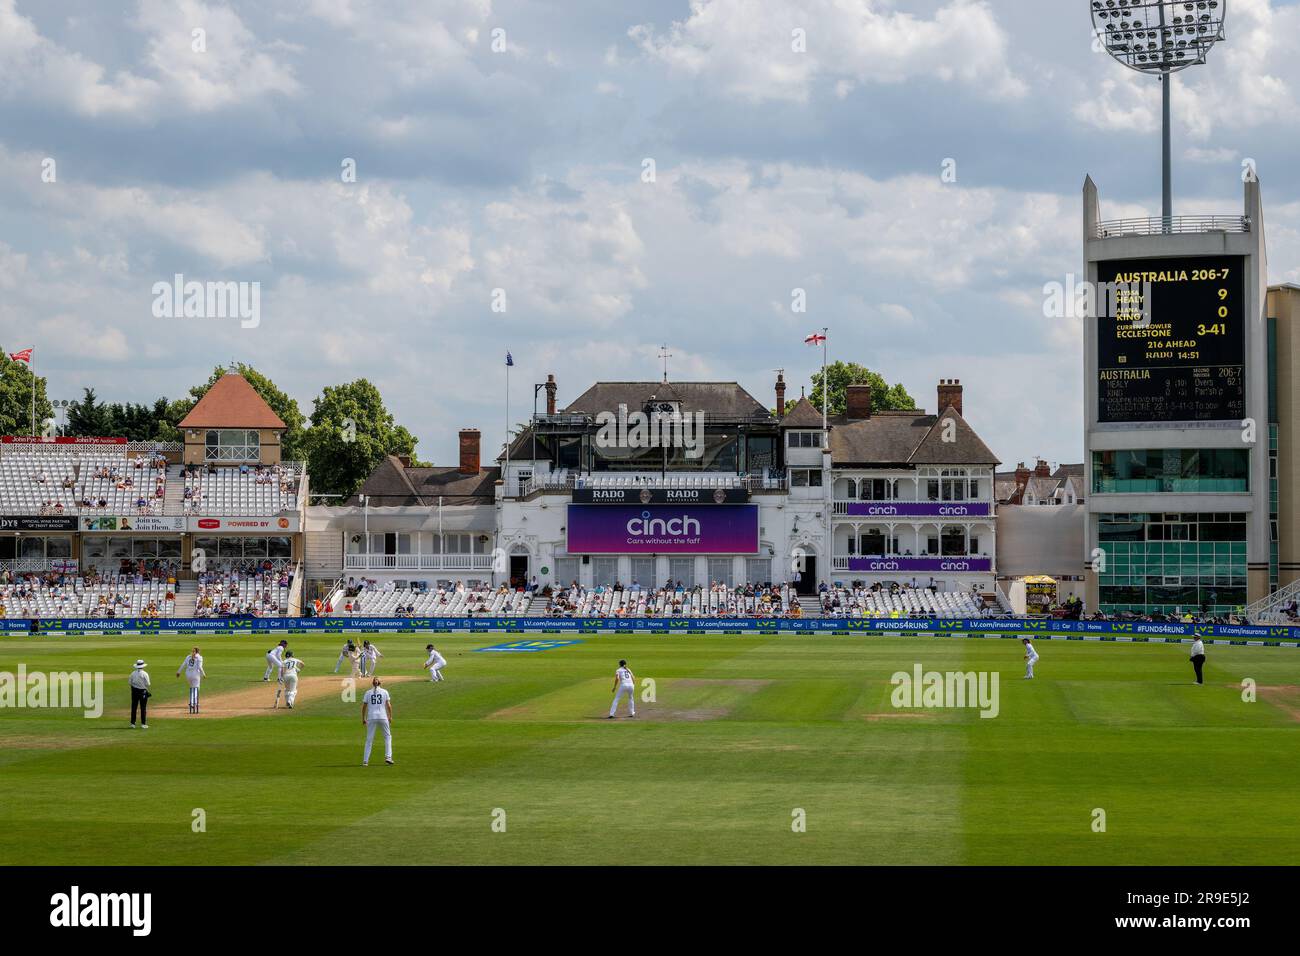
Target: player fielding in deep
column 624, row 685
column 435, row 664
column 377, row 712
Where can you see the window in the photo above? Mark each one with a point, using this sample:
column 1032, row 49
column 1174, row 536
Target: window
column 643, row 572
column 683, row 570
column 1171, row 471
column 233, row 444
column 803, row 439
column 758, row 570
column 604, row 571
column 806, row 477
column 566, row 571
column 720, row 570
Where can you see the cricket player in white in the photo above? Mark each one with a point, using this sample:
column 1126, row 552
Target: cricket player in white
column 377, row 712
column 274, row 657
column 1031, row 658
column 345, row 654
column 435, row 664
column 289, row 668
column 193, row 668
column 624, row 684
column 369, row 659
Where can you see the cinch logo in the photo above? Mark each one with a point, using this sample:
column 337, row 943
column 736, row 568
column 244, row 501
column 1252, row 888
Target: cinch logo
column 209, row 523
column 684, row 526
column 103, row 909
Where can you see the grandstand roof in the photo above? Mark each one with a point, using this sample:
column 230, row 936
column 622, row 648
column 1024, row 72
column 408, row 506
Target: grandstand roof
column 906, row 438
column 804, row 415
column 231, row 403
column 715, row 399
column 393, row 484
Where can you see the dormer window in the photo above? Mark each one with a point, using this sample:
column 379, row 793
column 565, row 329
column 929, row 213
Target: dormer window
column 803, row 439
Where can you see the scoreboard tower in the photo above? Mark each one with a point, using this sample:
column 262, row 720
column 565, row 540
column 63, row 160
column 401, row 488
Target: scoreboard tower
column 1176, row 411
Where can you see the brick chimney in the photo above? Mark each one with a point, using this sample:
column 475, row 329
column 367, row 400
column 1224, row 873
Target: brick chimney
column 469, row 451
column 857, row 402
column 1041, row 470
column 550, row 394
column 780, row 395
column 949, row 394
column 405, row 460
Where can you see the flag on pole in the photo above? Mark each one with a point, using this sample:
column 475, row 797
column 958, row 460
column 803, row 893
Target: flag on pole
column 816, row 338
column 24, row 356
column 510, row 359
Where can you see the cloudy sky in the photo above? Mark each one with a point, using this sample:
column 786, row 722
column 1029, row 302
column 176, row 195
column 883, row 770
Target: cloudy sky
column 504, row 145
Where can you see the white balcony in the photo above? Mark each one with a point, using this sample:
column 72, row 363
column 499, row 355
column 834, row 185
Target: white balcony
column 417, row 562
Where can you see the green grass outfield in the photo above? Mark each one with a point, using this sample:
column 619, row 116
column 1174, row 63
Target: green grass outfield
column 744, row 730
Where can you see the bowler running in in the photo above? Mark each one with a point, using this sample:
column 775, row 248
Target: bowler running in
column 193, row 668
column 624, row 684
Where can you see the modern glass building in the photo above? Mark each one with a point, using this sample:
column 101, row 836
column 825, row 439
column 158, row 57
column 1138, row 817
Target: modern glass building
column 1180, row 436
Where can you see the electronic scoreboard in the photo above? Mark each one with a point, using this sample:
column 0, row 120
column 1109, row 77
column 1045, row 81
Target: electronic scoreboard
column 1171, row 344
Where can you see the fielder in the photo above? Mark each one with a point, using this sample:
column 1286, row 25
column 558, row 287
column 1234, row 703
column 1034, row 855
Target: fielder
column 369, row 659
column 377, row 712
column 345, row 654
column 289, row 668
column 624, row 684
column 193, row 668
column 435, row 664
column 274, row 658
column 1031, row 658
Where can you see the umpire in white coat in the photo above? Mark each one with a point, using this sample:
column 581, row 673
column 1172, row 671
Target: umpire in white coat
column 139, row 681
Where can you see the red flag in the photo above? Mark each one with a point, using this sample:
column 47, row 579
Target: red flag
column 24, row 356
column 815, row 339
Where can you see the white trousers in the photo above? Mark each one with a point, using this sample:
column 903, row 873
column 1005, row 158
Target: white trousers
column 342, row 657
column 1029, row 668
column 290, row 688
column 435, row 672
column 630, row 691
column 370, row 739
column 194, row 696
column 272, row 665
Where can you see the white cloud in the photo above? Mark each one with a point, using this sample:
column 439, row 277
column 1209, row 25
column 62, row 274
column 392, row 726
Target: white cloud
column 746, row 47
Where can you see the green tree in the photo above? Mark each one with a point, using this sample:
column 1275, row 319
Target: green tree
column 16, row 384
column 89, row 418
column 351, row 432
column 292, row 442
column 840, row 375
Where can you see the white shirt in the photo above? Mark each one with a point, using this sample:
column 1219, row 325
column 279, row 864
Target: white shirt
column 290, row 666
column 1197, row 647
column 376, row 701
column 372, row 652
column 276, row 653
column 624, row 675
column 1033, row 654
column 435, row 658
column 193, row 666
column 139, row 678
